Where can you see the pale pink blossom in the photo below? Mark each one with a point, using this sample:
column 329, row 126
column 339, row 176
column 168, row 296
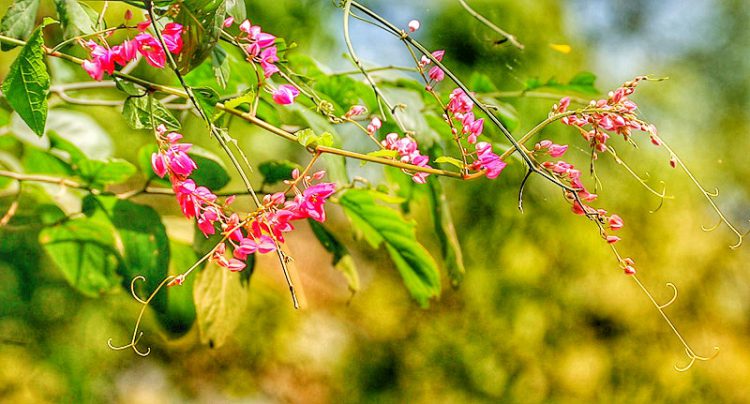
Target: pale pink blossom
column 285, row 94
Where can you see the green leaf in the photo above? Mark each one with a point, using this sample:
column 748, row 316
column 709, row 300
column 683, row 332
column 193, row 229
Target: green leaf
column 60, row 143
column 202, row 20
column 481, row 83
column 85, row 253
column 583, row 82
column 342, row 260
column 220, row 300
column 385, row 153
column 41, row 162
column 378, row 225
column 76, row 18
column 450, row 160
column 446, row 232
column 27, row 84
column 308, row 138
column 145, row 247
column 220, row 65
column 179, row 315
column 18, row 22
column 275, row 171
column 236, row 9
column 128, row 88
column 137, row 111
column 211, row 171
column 207, row 98
column 111, row 171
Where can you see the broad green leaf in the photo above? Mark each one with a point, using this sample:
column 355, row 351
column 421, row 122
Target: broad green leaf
column 145, row 247
column 137, row 111
column 207, row 99
column 202, row 20
column 446, row 231
column 381, row 225
column 99, row 173
column 143, row 237
column 247, row 98
column 481, row 83
column 342, row 260
column 211, row 171
column 27, row 84
column 450, row 160
column 179, row 315
column 220, row 300
column 18, row 21
column 76, row 18
column 342, row 91
column 40, row 162
column 85, row 253
column 60, row 143
column 275, row 171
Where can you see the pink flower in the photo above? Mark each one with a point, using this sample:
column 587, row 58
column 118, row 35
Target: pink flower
column 564, row 103
column 612, row 239
column 460, row 103
column 472, row 127
column 436, row 74
column 172, row 37
column 125, row 52
column 285, row 94
column 228, row 22
column 374, row 125
column 355, row 110
column 150, row 48
column 487, row 160
column 413, row 25
column 143, row 25
column 158, row 164
column 310, row 203
column 264, row 244
column 94, row 69
column 267, row 59
column 556, row 150
column 438, row 54
column 615, row 222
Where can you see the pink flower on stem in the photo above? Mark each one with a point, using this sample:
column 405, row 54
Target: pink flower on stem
column 615, row 222
column 285, row 94
column 228, row 22
column 374, row 125
column 436, row 74
column 460, row 103
column 172, row 37
column 355, row 110
column 413, row 25
column 151, row 50
column 488, row 161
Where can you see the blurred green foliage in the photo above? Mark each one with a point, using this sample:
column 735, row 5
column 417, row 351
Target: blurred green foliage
column 542, row 315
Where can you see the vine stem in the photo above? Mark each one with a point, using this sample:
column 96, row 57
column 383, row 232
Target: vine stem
column 510, row 37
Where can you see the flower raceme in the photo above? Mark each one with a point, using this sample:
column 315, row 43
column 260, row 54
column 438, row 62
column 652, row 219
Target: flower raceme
column 259, row 233
column 104, row 58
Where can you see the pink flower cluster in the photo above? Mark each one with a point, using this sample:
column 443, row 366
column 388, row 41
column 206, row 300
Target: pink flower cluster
column 616, row 114
column 259, row 46
column 459, row 113
column 408, row 152
column 261, row 232
column 103, row 58
column 285, row 94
